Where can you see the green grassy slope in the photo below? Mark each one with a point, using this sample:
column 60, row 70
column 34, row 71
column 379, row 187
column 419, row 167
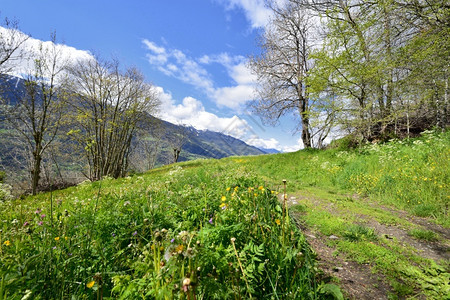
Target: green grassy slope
column 215, row 228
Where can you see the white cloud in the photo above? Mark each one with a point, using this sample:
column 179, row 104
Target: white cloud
column 153, row 47
column 293, row 148
column 175, row 63
column 255, row 11
column 264, row 143
column 22, row 63
column 234, row 96
column 192, row 112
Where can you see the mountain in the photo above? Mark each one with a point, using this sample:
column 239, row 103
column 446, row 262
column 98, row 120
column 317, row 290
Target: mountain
column 269, row 151
column 149, row 150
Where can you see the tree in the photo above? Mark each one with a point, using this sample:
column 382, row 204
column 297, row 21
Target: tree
column 178, row 136
column 284, row 65
column 11, row 40
column 37, row 115
column 373, row 61
column 107, row 105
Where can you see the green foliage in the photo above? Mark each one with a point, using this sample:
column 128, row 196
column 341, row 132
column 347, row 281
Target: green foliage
column 212, row 231
column 411, row 174
column 360, row 232
column 422, row 234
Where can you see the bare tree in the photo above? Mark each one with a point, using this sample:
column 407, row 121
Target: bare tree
column 283, row 67
column 178, row 137
column 11, row 40
column 36, row 116
column 108, row 105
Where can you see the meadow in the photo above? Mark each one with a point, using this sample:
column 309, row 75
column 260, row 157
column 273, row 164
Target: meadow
column 216, row 229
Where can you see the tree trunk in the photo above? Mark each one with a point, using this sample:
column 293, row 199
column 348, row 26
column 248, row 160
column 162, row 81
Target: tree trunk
column 35, row 172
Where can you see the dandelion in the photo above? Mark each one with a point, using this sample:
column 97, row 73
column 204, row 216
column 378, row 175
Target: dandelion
column 223, row 206
column 179, row 249
column 7, row 243
column 57, row 238
column 228, row 189
column 261, row 188
column 90, row 284
column 278, row 221
column 223, row 198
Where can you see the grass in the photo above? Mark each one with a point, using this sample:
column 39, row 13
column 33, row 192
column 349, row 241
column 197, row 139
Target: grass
column 422, row 234
column 214, row 228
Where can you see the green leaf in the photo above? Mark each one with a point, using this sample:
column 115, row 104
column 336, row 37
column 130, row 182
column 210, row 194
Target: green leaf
column 332, row 290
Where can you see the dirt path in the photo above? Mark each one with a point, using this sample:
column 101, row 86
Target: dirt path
column 360, row 281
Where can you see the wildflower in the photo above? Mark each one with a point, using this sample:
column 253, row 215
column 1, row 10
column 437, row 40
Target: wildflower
column 15, row 221
column 7, row 243
column 179, row 249
column 223, row 206
column 90, row 284
column 223, row 198
column 172, row 240
column 57, row 238
column 228, row 189
column 54, row 248
column 261, row 188
column 210, row 221
column 278, row 221
column 38, row 211
column 135, row 233
column 113, row 234
column 26, row 224
column 66, row 238
column 42, row 216
column 233, row 239
column 40, row 223
column 186, row 283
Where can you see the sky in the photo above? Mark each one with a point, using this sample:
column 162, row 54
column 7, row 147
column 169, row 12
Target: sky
column 193, row 51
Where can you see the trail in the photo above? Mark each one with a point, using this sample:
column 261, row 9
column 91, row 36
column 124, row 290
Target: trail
column 361, row 281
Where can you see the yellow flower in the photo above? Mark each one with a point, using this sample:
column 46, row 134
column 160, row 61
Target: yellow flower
column 261, row 188
column 90, row 284
column 57, row 238
column 7, row 243
column 223, row 198
column 222, row 205
column 66, row 238
column 278, row 221
column 179, row 248
column 228, row 189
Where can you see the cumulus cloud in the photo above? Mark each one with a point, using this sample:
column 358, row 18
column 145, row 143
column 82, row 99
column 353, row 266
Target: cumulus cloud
column 22, row 62
column 192, row 112
column 264, row 143
column 294, row 148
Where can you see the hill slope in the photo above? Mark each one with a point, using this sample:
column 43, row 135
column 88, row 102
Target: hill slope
column 377, row 217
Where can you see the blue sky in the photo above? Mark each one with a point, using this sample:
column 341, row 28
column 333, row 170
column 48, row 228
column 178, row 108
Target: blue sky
column 193, row 51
